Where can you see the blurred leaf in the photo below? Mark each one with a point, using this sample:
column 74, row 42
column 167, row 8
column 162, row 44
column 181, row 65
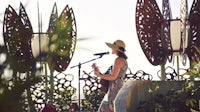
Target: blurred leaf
column 190, row 102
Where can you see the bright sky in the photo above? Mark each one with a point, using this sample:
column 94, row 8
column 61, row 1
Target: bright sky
column 101, row 21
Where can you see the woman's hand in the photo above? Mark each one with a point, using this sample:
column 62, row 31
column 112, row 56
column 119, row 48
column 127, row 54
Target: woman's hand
column 96, row 69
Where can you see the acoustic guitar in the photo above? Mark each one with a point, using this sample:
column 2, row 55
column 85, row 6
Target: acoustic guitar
column 104, row 83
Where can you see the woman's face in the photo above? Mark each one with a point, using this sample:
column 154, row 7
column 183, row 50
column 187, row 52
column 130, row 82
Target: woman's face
column 114, row 51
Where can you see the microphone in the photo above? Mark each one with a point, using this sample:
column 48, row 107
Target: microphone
column 101, row 54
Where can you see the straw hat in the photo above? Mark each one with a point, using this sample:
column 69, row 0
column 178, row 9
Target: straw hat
column 118, row 45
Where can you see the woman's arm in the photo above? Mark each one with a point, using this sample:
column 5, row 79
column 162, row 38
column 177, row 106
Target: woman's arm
column 118, row 64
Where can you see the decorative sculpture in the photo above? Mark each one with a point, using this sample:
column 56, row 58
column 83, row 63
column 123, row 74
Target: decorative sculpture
column 153, row 30
column 17, row 33
column 62, row 34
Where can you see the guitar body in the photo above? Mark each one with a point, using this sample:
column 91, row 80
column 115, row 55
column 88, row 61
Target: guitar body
column 104, row 85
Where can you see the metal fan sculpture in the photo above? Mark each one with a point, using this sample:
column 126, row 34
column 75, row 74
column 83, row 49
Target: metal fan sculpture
column 17, row 33
column 62, row 35
column 154, row 33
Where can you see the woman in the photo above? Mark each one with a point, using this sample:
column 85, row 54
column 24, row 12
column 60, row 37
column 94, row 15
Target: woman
column 116, row 78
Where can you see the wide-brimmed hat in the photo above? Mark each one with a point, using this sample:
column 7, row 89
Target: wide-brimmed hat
column 118, row 45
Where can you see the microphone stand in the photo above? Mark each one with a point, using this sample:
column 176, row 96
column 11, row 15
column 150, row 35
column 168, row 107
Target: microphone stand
column 79, row 78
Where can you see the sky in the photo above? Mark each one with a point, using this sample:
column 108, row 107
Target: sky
column 100, row 21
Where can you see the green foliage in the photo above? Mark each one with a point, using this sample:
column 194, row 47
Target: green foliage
column 186, row 99
column 13, row 84
column 11, row 97
column 194, row 70
column 93, row 100
column 63, row 99
column 21, row 66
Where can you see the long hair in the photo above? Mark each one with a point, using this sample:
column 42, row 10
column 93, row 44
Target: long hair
column 122, row 55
